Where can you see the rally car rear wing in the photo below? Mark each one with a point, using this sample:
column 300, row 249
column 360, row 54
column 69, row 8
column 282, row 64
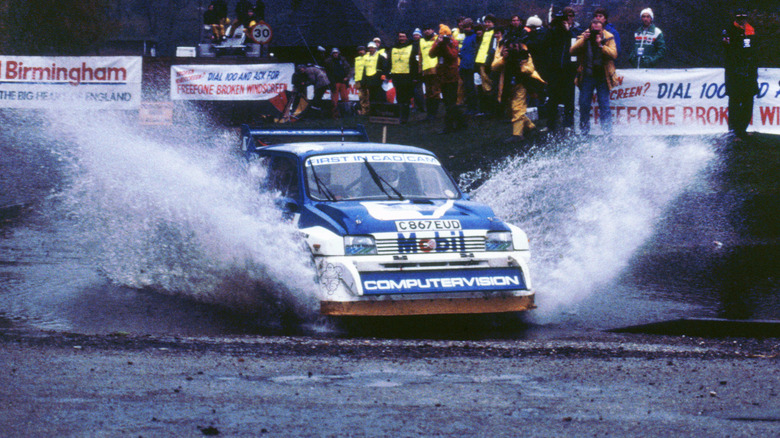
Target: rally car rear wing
column 253, row 139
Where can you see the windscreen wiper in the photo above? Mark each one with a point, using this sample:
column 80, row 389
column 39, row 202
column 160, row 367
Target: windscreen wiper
column 321, row 186
column 378, row 180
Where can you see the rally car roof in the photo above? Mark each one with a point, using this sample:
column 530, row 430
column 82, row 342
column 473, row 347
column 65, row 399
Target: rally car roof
column 305, row 142
column 307, row 149
column 267, row 135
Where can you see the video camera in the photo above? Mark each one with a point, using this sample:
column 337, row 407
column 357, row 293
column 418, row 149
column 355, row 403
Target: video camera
column 515, row 41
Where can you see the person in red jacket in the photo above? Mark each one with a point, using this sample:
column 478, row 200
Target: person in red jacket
column 446, row 49
column 339, row 72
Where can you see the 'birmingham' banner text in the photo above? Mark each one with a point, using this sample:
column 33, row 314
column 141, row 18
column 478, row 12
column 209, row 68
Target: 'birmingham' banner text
column 65, row 82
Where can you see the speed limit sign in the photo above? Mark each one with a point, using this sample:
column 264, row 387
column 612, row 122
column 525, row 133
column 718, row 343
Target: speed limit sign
column 261, row 33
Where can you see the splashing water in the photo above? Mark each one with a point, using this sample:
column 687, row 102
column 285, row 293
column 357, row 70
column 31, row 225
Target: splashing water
column 180, row 216
column 587, row 207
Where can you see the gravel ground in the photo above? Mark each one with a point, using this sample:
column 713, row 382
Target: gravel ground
column 59, row 384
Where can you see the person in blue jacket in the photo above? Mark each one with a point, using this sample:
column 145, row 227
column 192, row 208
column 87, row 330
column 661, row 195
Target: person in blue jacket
column 468, row 56
column 603, row 15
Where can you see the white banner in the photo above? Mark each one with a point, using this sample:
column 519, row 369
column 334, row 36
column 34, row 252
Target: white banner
column 89, row 82
column 230, row 82
column 685, row 102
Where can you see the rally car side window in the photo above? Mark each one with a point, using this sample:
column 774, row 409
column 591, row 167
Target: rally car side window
column 283, row 176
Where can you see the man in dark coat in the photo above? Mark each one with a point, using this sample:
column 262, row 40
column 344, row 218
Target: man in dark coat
column 536, row 39
column 561, row 71
column 339, row 73
column 739, row 40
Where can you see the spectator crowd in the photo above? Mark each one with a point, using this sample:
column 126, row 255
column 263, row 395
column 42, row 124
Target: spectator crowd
column 479, row 68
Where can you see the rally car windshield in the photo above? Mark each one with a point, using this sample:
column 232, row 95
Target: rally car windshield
column 342, row 177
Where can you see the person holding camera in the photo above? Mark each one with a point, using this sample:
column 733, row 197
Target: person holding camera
column 596, row 52
column 518, row 74
column 603, row 15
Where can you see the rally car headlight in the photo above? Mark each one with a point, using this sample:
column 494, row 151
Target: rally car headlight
column 359, row 245
column 499, row 241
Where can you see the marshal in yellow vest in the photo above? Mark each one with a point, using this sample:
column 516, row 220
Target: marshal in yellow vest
column 401, row 57
column 484, row 48
column 428, row 61
column 371, row 62
column 360, row 67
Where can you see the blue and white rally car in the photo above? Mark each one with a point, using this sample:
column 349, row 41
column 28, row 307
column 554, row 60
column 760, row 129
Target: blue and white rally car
column 389, row 230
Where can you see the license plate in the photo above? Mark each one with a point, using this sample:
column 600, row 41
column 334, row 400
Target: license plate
column 428, row 225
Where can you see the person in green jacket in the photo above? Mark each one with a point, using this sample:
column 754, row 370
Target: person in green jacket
column 649, row 44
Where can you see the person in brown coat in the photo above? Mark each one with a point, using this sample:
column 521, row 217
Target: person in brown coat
column 446, row 49
column 596, row 52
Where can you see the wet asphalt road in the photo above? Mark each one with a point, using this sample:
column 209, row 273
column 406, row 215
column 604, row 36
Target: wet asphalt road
column 56, row 384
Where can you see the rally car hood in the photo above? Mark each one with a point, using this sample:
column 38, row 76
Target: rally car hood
column 365, row 217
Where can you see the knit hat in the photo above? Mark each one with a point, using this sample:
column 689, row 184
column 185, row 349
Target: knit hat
column 534, row 21
column 647, row 11
column 444, row 30
column 335, row 50
column 372, row 44
column 417, row 32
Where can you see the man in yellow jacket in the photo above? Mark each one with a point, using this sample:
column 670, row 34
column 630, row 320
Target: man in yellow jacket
column 360, row 71
column 428, row 65
column 596, row 50
column 485, row 56
column 517, row 71
column 374, row 75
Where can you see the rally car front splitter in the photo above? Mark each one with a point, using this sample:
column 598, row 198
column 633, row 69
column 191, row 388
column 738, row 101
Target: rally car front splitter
column 428, row 306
